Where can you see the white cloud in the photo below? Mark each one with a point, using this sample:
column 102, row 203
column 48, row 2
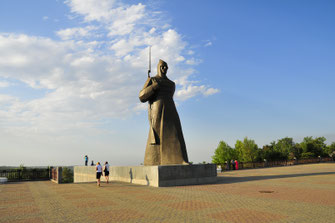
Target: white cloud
column 76, row 32
column 92, row 9
column 124, row 19
column 193, row 90
column 82, row 61
column 122, row 47
column 32, row 59
column 82, row 82
column 87, row 77
column 208, row 43
column 4, row 84
column 119, row 19
column 5, row 98
column 211, row 91
column 193, row 61
column 190, row 52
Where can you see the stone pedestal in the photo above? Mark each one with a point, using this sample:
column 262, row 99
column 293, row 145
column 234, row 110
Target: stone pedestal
column 156, row 176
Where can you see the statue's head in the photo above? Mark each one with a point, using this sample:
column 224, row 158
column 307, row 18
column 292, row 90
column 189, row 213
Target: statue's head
column 162, row 68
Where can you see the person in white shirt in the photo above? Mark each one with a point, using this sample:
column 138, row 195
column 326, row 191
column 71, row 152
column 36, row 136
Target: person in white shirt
column 98, row 168
column 106, row 170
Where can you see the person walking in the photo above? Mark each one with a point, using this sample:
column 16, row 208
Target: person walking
column 98, row 169
column 86, row 160
column 236, row 165
column 106, row 170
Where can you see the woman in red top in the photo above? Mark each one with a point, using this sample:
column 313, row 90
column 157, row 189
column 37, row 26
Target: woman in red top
column 236, row 165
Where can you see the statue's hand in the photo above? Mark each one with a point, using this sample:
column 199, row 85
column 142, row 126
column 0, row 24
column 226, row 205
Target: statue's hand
column 155, row 84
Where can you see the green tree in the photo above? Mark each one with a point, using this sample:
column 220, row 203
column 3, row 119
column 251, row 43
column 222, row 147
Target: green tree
column 267, row 151
column 270, row 153
column 22, row 167
column 296, row 151
column 23, row 171
column 247, row 151
column 284, row 147
column 223, row 153
column 330, row 149
column 239, row 150
column 250, row 150
column 313, row 147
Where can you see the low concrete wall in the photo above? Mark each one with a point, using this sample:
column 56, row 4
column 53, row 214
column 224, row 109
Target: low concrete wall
column 156, row 176
column 132, row 174
column 84, row 174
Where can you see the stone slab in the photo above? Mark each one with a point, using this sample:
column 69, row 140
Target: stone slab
column 156, row 176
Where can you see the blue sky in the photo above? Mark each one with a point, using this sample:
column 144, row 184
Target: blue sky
column 70, row 73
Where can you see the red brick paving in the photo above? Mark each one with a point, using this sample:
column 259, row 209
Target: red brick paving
column 93, row 203
column 30, row 220
column 303, row 193
column 156, row 197
column 190, row 205
column 115, row 215
column 246, row 215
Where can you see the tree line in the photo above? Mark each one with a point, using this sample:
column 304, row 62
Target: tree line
column 282, row 149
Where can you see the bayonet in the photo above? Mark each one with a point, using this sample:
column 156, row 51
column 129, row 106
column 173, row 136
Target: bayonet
column 149, row 70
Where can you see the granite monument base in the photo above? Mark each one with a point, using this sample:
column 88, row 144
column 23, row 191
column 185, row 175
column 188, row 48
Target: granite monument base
column 156, row 176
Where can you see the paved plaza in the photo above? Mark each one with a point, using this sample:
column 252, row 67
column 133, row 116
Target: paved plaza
column 302, row 193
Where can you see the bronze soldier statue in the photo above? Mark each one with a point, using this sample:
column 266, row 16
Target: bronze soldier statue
column 165, row 143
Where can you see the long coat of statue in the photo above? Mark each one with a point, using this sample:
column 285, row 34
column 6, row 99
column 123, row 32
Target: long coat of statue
column 165, row 143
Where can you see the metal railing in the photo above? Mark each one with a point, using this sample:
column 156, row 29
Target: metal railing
column 251, row 165
column 25, row 174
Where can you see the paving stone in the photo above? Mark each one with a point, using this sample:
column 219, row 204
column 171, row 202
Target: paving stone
column 302, row 193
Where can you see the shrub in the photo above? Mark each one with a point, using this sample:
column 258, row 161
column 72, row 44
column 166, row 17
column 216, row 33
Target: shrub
column 67, row 175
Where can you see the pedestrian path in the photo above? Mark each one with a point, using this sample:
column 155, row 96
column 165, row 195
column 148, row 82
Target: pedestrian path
column 302, row 193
